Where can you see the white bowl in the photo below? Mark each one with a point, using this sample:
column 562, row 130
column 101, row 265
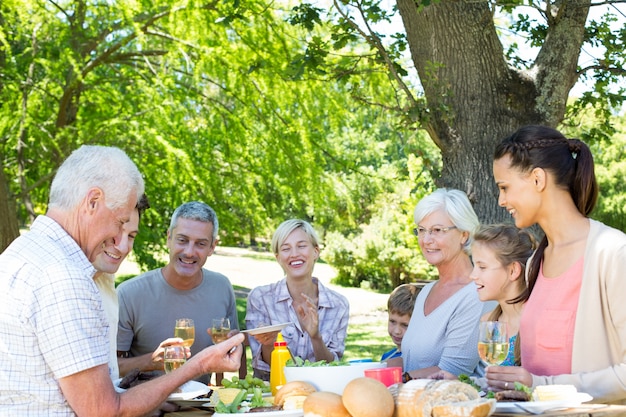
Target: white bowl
column 330, row 378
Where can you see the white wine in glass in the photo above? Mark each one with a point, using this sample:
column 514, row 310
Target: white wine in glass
column 185, row 330
column 493, row 342
column 220, row 330
column 173, row 358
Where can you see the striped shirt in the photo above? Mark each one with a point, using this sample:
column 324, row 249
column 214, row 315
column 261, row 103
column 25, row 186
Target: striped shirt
column 272, row 304
column 51, row 320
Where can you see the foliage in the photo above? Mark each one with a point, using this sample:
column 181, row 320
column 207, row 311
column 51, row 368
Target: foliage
column 272, row 110
column 203, row 99
column 383, row 252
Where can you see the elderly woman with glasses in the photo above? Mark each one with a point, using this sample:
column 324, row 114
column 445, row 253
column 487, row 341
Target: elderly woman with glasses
column 443, row 331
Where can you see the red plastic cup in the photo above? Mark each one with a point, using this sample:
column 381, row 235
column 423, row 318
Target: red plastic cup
column 387, row 376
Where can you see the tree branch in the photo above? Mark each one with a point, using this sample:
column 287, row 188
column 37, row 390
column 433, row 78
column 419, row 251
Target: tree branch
column 374, row 40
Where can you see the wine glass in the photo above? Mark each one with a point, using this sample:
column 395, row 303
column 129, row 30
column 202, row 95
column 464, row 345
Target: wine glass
column 185, row 330
column 173, row 357
column 220, row 329
column 493, row 342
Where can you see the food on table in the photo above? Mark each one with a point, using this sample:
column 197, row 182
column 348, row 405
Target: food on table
column 292, row 395
column 512, row 395
column 439, row 398
column 249, row 383
column 554, row 392
column 474, row 408
column 240, row 404
column 324, row 404
column 520, row 393
column 305, row 362
column 225, row 395
column 367, row 397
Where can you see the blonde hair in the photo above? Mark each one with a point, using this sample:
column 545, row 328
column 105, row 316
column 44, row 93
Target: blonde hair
column 284, row 230
column 402, row 299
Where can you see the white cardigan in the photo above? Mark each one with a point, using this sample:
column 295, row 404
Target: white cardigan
column 599, row 349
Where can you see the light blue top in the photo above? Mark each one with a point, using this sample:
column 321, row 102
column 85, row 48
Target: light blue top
column 448, row 336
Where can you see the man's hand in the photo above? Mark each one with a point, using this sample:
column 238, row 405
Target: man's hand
column 157, row 355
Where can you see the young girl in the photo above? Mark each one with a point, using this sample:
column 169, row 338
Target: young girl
column 499, row 254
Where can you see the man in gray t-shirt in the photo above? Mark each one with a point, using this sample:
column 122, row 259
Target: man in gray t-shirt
column 150, row 303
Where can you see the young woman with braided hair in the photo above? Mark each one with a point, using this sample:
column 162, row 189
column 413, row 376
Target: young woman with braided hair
column 573, row 328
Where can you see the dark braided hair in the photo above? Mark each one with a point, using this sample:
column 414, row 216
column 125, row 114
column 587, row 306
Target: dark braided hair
column 568, row 160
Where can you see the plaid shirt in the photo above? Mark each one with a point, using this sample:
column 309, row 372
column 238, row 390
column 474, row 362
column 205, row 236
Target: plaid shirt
column 51, row 320
column 272, row 304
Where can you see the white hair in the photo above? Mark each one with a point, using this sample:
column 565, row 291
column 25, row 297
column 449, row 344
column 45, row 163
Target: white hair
column 107, row 168
column 456, row 205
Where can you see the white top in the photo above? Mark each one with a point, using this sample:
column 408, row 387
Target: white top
column 448, row 336
column 106, row 285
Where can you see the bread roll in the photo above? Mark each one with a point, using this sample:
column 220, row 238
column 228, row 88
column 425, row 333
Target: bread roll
column 407, row 396
column 481, row 407
column 367, row 397
column 291, row 396
column 417, row 398
column 324, row 404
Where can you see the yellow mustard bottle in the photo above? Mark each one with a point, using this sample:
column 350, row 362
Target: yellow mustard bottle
column 280, row 355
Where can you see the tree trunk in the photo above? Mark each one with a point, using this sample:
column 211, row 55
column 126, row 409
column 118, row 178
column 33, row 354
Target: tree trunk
column 474, row 98
column 9, row 228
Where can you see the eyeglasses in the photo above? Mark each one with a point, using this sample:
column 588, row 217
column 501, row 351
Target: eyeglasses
column 435, row 231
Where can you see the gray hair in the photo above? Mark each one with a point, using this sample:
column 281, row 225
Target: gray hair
column 456, row 205
column 195, row 210
column 284, row 230
column 105, row 167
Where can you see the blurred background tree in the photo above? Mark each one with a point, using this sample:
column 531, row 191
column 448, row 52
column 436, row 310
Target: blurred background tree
column 268, row 111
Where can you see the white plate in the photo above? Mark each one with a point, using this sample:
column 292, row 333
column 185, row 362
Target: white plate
column 281, row 413
column 267, row 329
column 541, row 406
column 189, row 390
column 194, row 402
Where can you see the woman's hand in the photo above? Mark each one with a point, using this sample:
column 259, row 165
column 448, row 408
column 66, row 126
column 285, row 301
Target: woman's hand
column 504, row 377
column 266, row 339
column 308, row 317
column 441, row 374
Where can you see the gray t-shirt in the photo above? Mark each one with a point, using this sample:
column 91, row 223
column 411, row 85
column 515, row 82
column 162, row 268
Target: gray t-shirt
column 149, row 307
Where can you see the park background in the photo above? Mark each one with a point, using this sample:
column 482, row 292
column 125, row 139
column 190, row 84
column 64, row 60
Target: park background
column 341, row 112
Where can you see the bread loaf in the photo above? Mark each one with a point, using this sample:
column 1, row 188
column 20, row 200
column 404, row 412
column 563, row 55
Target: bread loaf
column 481, row 407
column 324, row 404
column 367, row 397
column 418, row 398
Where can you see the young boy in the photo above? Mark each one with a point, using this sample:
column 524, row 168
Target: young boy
column 400, row 307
